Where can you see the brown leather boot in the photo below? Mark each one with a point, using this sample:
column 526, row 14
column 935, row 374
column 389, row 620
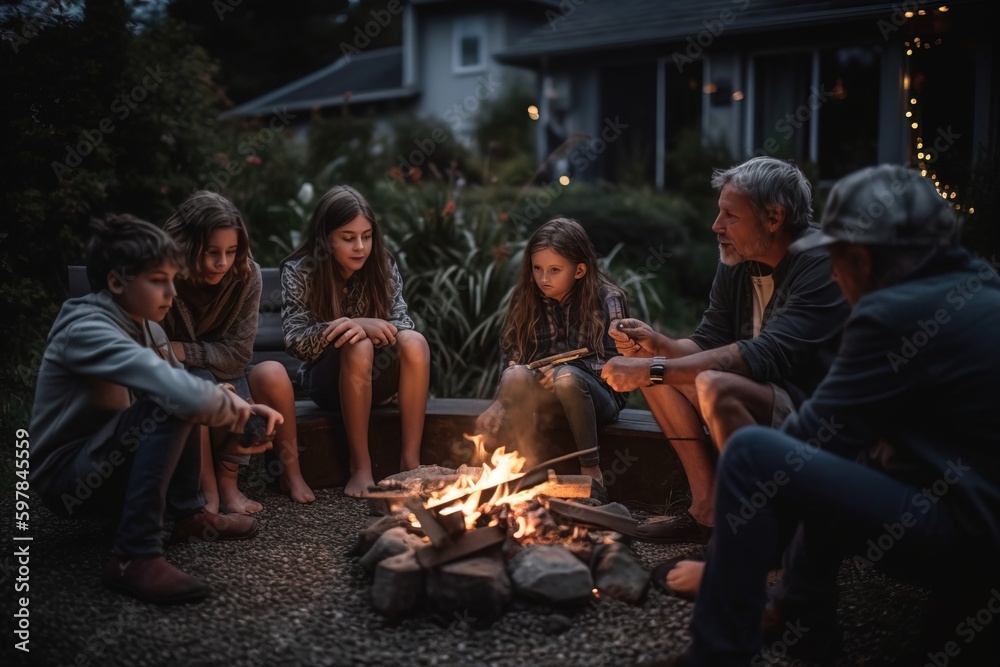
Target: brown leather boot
column 152, row 579
column 206, row 526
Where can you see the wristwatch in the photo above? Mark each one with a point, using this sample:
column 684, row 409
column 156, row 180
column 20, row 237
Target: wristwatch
column 656, row 370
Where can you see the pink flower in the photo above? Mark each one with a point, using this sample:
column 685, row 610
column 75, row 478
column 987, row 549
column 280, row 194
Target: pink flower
column 254, row 160
column 449, row 208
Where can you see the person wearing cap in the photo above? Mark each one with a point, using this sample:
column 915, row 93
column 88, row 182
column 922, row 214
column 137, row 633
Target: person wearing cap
column 771, row 328
column 893, row 462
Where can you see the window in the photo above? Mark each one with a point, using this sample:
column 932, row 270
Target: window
column 819, row 106
column 469, row 46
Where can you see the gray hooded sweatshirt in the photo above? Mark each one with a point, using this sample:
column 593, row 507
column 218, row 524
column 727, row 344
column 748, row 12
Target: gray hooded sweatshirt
column 98, row 361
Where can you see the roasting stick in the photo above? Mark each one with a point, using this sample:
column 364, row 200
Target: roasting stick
column 560, row 358
column 545, row 464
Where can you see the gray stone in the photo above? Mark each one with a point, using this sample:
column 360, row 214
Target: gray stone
column 618, row 574
column 391, row 542
column 551, row 573
column 399, row 585
column 473, row 590
column 368, row 536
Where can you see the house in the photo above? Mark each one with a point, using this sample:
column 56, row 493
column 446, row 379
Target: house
column 836, row 84
column 444, row 69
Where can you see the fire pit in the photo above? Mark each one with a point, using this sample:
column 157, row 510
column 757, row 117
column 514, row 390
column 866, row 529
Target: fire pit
column 463, row 543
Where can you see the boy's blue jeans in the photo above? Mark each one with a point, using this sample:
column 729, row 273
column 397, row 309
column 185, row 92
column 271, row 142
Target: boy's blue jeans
column 576, row 393
column 148, row 466
column 771, row 486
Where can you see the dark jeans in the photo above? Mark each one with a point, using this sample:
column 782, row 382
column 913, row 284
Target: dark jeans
column 576, row 393
column 322, row 376
column 770, row 485
column 144, row 469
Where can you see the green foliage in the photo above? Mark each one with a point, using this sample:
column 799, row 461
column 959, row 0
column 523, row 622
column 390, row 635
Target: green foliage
column 427, row 145
column 503, row 128
column 460, row 254
column 340, row 149
column 101, row 118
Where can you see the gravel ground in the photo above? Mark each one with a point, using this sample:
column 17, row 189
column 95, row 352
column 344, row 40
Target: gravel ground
column 292, row 596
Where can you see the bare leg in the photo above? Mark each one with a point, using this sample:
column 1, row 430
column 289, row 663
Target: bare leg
column 209, row 487
column 674, row 410
column 231, row 499
column 356, row 406
column 729, row 401
column 414, row 381
column 269, row 384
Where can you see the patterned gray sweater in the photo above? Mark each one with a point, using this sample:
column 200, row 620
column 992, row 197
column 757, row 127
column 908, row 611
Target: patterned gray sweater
column 303, row 329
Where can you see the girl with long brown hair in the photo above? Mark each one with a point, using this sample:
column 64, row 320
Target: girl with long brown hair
column 562, row 301
column 212, row 326
column 343, row 314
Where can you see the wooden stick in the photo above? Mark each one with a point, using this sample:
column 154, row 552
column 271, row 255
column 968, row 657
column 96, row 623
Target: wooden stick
column 560, row 358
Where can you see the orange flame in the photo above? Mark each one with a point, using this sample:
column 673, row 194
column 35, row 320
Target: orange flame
column 504, row 467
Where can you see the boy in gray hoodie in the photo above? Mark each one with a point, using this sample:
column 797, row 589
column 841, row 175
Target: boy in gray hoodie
column 114, row 410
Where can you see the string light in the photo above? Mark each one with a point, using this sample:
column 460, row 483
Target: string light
column 924, row 157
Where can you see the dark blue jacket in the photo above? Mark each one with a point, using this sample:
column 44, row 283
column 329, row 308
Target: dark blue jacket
column 915, row 388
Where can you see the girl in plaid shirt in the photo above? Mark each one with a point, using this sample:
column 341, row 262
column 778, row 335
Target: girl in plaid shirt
column 562, row 301
column 343, row 314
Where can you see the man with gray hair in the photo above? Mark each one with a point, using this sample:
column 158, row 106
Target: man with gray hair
column 771, row 328
column 893, row 462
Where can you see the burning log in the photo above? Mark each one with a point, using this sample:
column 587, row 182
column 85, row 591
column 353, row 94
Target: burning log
column 487, row 527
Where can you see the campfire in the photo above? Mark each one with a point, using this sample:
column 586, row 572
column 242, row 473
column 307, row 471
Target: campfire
column 463, row 543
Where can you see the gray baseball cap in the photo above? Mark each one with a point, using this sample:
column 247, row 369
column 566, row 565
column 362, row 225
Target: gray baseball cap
column 884, row 205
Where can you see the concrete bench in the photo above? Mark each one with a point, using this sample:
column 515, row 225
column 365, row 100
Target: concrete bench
column 638, row 461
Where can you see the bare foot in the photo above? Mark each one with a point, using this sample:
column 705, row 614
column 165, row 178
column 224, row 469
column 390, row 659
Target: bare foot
column 408, row 465
column 297, row 489
column 357, row 485
column 685, row 578
column 234, row 502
